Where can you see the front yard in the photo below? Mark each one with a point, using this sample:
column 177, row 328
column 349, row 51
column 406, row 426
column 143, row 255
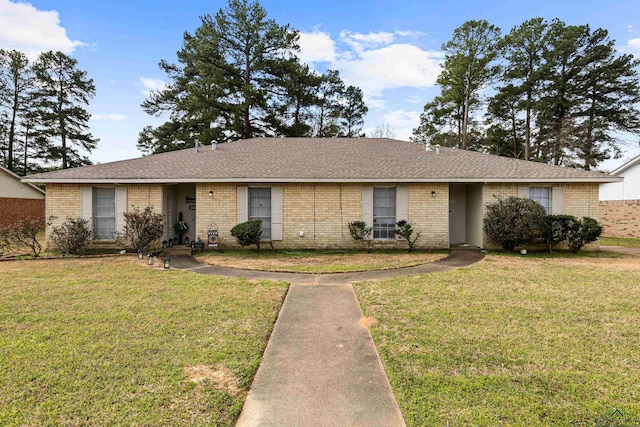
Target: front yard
column 535, row 341
column 113, row 342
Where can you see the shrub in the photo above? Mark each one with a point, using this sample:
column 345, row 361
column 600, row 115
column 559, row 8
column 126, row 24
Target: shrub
column 582, row 232
column 141, row 227
column 72, row 236
column 22, row 233
column 555, row 229
column 405, row 230
column 248, row 233
column 514, row 221
column 361, row 233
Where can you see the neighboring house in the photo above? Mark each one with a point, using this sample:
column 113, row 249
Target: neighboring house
column 18, row 200
column 620, row 201
column 307, row 190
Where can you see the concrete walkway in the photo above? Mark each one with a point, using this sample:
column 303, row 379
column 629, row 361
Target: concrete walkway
column 621, row 249
column 321, row 367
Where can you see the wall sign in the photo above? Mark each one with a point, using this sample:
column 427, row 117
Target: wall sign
column 189, row 199
column 212, row 236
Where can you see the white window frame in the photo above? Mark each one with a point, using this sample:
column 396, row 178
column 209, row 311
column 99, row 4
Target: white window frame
column 267, row 235
column 548, row 207
column 383, row 231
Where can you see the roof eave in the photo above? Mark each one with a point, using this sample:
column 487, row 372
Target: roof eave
column 599, row 180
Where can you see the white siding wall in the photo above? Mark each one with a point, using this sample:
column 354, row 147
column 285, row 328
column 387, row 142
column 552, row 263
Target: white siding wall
column 629, row 189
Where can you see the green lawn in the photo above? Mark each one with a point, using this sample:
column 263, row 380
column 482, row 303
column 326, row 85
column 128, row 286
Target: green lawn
column 113, row 342
column 619, row 241
column 535, row 341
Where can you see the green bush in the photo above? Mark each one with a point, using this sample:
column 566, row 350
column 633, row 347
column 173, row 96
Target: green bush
column 514, row 221
column 555, row 229
column 72, row 236
column 405, row 230
column 140, row 228
column 582, row 232
column 248, row 233
column 361, row 233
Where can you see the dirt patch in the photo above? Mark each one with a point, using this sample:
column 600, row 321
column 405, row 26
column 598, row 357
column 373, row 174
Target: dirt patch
column 368, row 322
column 221, row 376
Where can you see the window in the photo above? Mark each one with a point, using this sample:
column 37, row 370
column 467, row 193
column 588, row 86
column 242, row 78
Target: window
column 260, row 208
column 384, row 213
column 541, row 195
column 104, row 213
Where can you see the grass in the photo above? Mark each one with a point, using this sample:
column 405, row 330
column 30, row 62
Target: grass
column 113, row 342
column 535, row 341
column 319, row 261
column 620, row 241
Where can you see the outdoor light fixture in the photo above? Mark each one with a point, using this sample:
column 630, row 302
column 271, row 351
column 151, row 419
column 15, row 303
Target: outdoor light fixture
column 186, row 241
column 211, row 193
column 140, row 256
column 165, row 244
column 149, row 259
column 433, row 194
column 170, row 242
column 64, row 254
column 167, row 263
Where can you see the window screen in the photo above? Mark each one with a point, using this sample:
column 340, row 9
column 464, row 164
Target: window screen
column 104, row 213
column 260, row 208
column 384, row 213
column 542, row 196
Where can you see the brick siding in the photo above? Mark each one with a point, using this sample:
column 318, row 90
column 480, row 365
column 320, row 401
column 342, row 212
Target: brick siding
column 12, row 209
column 621, row 218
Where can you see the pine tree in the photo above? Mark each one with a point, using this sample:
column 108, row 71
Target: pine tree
column 62, row 93
column 353, row 112
column 16, row 81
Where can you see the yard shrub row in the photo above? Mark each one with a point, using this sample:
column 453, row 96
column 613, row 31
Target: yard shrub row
column 515, row 221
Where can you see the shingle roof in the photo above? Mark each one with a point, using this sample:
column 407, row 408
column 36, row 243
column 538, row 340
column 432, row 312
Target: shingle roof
column 320, row 160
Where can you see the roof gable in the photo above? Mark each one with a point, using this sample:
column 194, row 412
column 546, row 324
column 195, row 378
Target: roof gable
column 11, row 186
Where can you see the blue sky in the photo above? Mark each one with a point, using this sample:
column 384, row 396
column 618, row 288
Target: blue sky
column 390, row 49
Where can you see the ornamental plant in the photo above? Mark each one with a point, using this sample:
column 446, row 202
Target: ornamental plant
column 248, row 233
column 582, row 232
column 72, row 236
column 514, row 221
column 141, row 227
column 555, row 229
column 22, row 233
column 361, row 233
column 404, row 229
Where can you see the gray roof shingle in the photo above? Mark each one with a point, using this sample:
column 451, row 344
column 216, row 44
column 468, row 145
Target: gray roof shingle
column 320, row 160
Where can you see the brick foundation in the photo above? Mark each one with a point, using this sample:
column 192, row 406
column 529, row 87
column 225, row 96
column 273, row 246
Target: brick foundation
column 12, row 210
column 621, row 218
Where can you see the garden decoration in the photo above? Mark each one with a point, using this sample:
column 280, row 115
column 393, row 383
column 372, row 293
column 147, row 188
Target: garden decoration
column 181, row 227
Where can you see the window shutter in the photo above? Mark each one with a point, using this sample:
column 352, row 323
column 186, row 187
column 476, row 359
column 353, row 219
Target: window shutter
column 557, row 200
column 276, row 213
column 243, row 204
column 367, row 206
column 87, row 205
column 523, row 192
column 121, row 207
column 402, row 203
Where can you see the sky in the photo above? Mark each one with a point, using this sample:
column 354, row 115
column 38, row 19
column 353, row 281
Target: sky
column 391, row 50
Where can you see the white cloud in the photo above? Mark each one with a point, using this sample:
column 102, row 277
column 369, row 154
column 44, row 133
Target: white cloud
column 631, row 29
column 389, row 67
column 632, row 46
column 410, row 33
column 402, row 118
column 316, row 46
column 112, row 117
column 359, row 41
column 27, row 29
column 151, row 85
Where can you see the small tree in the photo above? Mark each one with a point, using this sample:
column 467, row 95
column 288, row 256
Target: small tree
column 582, row 232
column 72, row 236
column 141, row 227
column 361, row 233
column 248, row 233
column 555, row 229
column 405, row 230
column 514, row 221
column 22, row 233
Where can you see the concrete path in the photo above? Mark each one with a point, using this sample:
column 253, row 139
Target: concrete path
column 621, row 249
column 457, row 258
column 321, row 367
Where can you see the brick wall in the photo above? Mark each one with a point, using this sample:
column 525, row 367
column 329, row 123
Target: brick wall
column 621, row 218
column 322, row 211
column 12, row 209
